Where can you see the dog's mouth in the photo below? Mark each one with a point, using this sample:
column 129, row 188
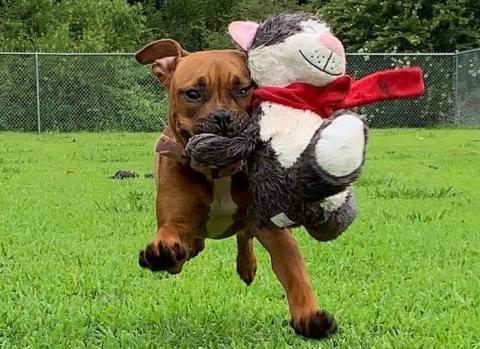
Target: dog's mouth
column 325, row 66
column 185, row 134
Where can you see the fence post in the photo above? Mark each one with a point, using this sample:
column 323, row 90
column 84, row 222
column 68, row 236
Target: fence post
column 455, row 92
column 37, row 80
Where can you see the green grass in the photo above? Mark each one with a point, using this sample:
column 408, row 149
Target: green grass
column 406, row 275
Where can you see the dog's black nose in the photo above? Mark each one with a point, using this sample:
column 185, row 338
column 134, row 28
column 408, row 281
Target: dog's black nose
column 223, row 119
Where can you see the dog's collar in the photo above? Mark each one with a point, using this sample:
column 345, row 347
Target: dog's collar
column 169, row 148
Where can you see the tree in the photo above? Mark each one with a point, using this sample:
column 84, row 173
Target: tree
column 69, row 25
column 83, row 92
column 203, row 24
column 404, row 26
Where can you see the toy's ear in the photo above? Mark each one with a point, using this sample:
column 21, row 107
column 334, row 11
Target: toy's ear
column 163, row 56
column 243, row 33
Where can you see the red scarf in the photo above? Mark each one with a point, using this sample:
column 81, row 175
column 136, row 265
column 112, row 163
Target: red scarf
column 345, row 92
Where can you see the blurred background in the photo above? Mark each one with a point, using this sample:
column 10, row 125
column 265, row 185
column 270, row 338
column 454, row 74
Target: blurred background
column 67, row 65
column 121, row 26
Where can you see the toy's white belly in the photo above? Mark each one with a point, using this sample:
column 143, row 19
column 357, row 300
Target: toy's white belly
column 222, row 209
column 289, row 130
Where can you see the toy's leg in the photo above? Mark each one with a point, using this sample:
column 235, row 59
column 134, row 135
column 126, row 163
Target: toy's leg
column 340, row 211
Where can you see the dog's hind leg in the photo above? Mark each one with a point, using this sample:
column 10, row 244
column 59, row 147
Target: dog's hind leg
column 307, row 318
column 246, row 261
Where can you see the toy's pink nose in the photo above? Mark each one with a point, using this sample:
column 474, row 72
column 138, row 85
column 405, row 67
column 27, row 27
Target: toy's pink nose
column 332, row 43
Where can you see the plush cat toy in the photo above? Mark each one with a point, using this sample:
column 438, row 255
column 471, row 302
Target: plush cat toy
column 303, row 147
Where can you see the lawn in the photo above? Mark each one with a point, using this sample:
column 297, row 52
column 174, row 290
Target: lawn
column 405, row 275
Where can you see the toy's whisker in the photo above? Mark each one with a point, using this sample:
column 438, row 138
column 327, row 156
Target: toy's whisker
column 328, row 60
column 317, row 67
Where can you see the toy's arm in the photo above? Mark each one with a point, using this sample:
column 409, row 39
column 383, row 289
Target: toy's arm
column 213, row 150
column 334, row 157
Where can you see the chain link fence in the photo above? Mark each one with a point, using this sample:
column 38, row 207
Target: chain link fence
column 99, row 92
column 467, row 91
column 436, row 107
column 78, row 92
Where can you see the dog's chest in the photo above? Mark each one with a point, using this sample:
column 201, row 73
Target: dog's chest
column 288, row 130
column 222, row 209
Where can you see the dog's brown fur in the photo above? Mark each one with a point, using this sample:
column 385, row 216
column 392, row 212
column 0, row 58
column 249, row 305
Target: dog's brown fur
column 185, row 197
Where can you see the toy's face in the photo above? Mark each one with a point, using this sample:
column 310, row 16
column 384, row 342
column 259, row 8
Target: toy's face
column 290, row 48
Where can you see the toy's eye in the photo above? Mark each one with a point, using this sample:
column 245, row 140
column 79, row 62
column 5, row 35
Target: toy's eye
column 193, row 95
column 309, row 29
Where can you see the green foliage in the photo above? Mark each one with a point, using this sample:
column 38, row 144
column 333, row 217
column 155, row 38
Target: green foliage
column 120, row 25
column 404, row 26
column 70, row 25
column 190, row 22
column 203, row 24
column 405, row 275
column 77, row 93
column 259, row 10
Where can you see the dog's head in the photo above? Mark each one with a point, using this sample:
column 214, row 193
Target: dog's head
column 289, row 48
column 209, row 91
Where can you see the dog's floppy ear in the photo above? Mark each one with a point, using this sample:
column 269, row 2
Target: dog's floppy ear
column 243, row 33
column 163, row 56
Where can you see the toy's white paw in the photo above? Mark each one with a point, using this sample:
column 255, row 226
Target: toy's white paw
column 340, row 149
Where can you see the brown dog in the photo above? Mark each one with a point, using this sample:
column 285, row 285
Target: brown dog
column 210, row 91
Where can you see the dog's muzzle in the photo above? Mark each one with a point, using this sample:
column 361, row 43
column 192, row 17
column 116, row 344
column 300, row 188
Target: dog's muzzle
column 223, row 119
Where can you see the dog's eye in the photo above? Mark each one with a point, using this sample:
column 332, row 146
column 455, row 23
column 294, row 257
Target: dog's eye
column 244, row 91
column 193, row 95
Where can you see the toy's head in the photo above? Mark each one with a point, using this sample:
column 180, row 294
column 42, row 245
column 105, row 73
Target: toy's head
column 290, row 48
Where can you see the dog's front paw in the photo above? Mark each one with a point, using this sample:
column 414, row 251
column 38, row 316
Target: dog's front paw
column 197, row 247
column 317, row 325
column 160, row 256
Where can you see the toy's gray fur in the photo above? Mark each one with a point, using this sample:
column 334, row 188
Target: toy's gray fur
column 214, row 150
column 277, row 28
column 298, row 192
column 335, row 223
